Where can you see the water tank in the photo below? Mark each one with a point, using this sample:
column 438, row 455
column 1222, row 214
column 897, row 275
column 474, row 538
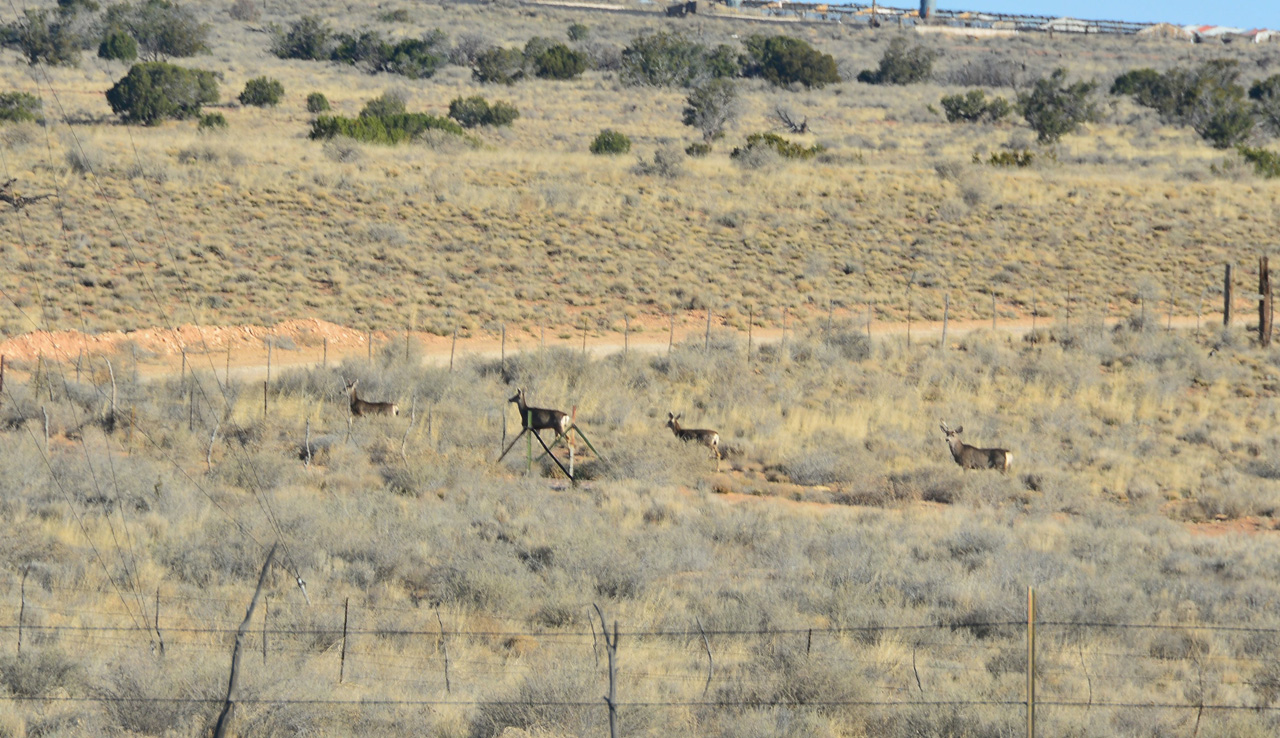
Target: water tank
column 927, row 7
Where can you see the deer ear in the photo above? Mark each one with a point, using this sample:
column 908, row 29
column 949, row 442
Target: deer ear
column 959, row 429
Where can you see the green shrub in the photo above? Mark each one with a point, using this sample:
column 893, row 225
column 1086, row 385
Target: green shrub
column 307, row 38
column 476, row 111
column 162, row 29
column 245, row 11
column 1265, row 163
column 317, row 102
column 610, row 141
column 399, row 15
column 498, row 65
column 1266, row 97
column 665, row 59
column 784, row 60
column 1207, row 98
column 387, row 129
column 901, row 64
column 1022, row 158
column 711, row 106
column 154, row 91
column 17, row 107
column 118, row 45
column 43, row 41
column 212, row 122
column 262, row 92
column 784, row 148
column 578, row 32
column 416, row 58
column 560, row 62
column 387, row 104
column 1053, row 108
column 974, row 106
column 698, row 149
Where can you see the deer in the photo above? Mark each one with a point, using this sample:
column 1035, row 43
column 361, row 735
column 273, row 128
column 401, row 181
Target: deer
column 361, row 407
column 972, row 457
column 704, row 436
column 539, row 418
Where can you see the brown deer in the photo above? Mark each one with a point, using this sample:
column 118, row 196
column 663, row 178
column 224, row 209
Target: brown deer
column 540, row 418
column 972, row 457
column 360, row 407
column 708, row 438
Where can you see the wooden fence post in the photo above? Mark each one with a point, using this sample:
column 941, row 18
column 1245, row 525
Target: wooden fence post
column 266, row 615
column 626, row 335
column 1226, row 298
column 503, row 360
column 444, row 647
column 342, row 658
column 671, row 334
column 453, row 347
column 233, row 687
column 946, row 314
column 1264, row 304
column 611, row 646
column 1031, row 662
column 159, row 635
column 750, row 321
column 706, row 338
column 22, row 605
column 369, row 345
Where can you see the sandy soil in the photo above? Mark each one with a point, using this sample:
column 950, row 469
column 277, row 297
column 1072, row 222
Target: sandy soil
column 244, row 348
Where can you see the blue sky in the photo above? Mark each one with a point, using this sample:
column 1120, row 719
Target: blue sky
column 1255, row 14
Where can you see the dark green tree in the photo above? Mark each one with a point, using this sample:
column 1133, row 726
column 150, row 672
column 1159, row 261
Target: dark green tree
column 1054, row 108
column 17, row 107
column 498, row 65
column 119, row 45
column 46, row 40
column 162, row 29
column 385, row 105
column 901, row 64
column 317, row 102
column 784, row 60
column 974, row 107
column 664, row 59
column 307, row 38
column 476, row 111
column 711, row 106
column 560, row 62
column 262, row 92
column 1266, row 100
column 154, row 91
column 610, row 141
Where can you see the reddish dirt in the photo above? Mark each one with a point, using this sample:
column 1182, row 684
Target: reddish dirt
column 1240, row 526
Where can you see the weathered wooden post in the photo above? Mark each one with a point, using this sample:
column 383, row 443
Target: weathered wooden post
column 1226, row 298
column 233, row 687
column 342, row 658
column 453, row 347
column 1031, row 662
column 1264, row 303
column 946, row 314
column 611, row 646
column 750, row 320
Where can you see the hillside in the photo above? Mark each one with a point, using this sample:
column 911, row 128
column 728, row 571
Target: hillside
column 191, row 326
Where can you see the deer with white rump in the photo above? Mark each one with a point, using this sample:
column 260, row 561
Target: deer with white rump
column 972, row 457
column 704, row 436
column 362, row 407
column 540, row 418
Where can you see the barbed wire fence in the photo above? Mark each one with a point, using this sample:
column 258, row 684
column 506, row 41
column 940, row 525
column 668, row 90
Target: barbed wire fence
column 392, row 653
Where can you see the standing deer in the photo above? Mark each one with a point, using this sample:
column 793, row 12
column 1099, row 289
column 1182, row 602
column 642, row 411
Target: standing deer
column 972, row 457
column 708, row 438
column 540, row 418
column 360, row 407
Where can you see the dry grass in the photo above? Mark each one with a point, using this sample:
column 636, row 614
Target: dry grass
column 260, row 224
column 1119, row 436
column 842, row 511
